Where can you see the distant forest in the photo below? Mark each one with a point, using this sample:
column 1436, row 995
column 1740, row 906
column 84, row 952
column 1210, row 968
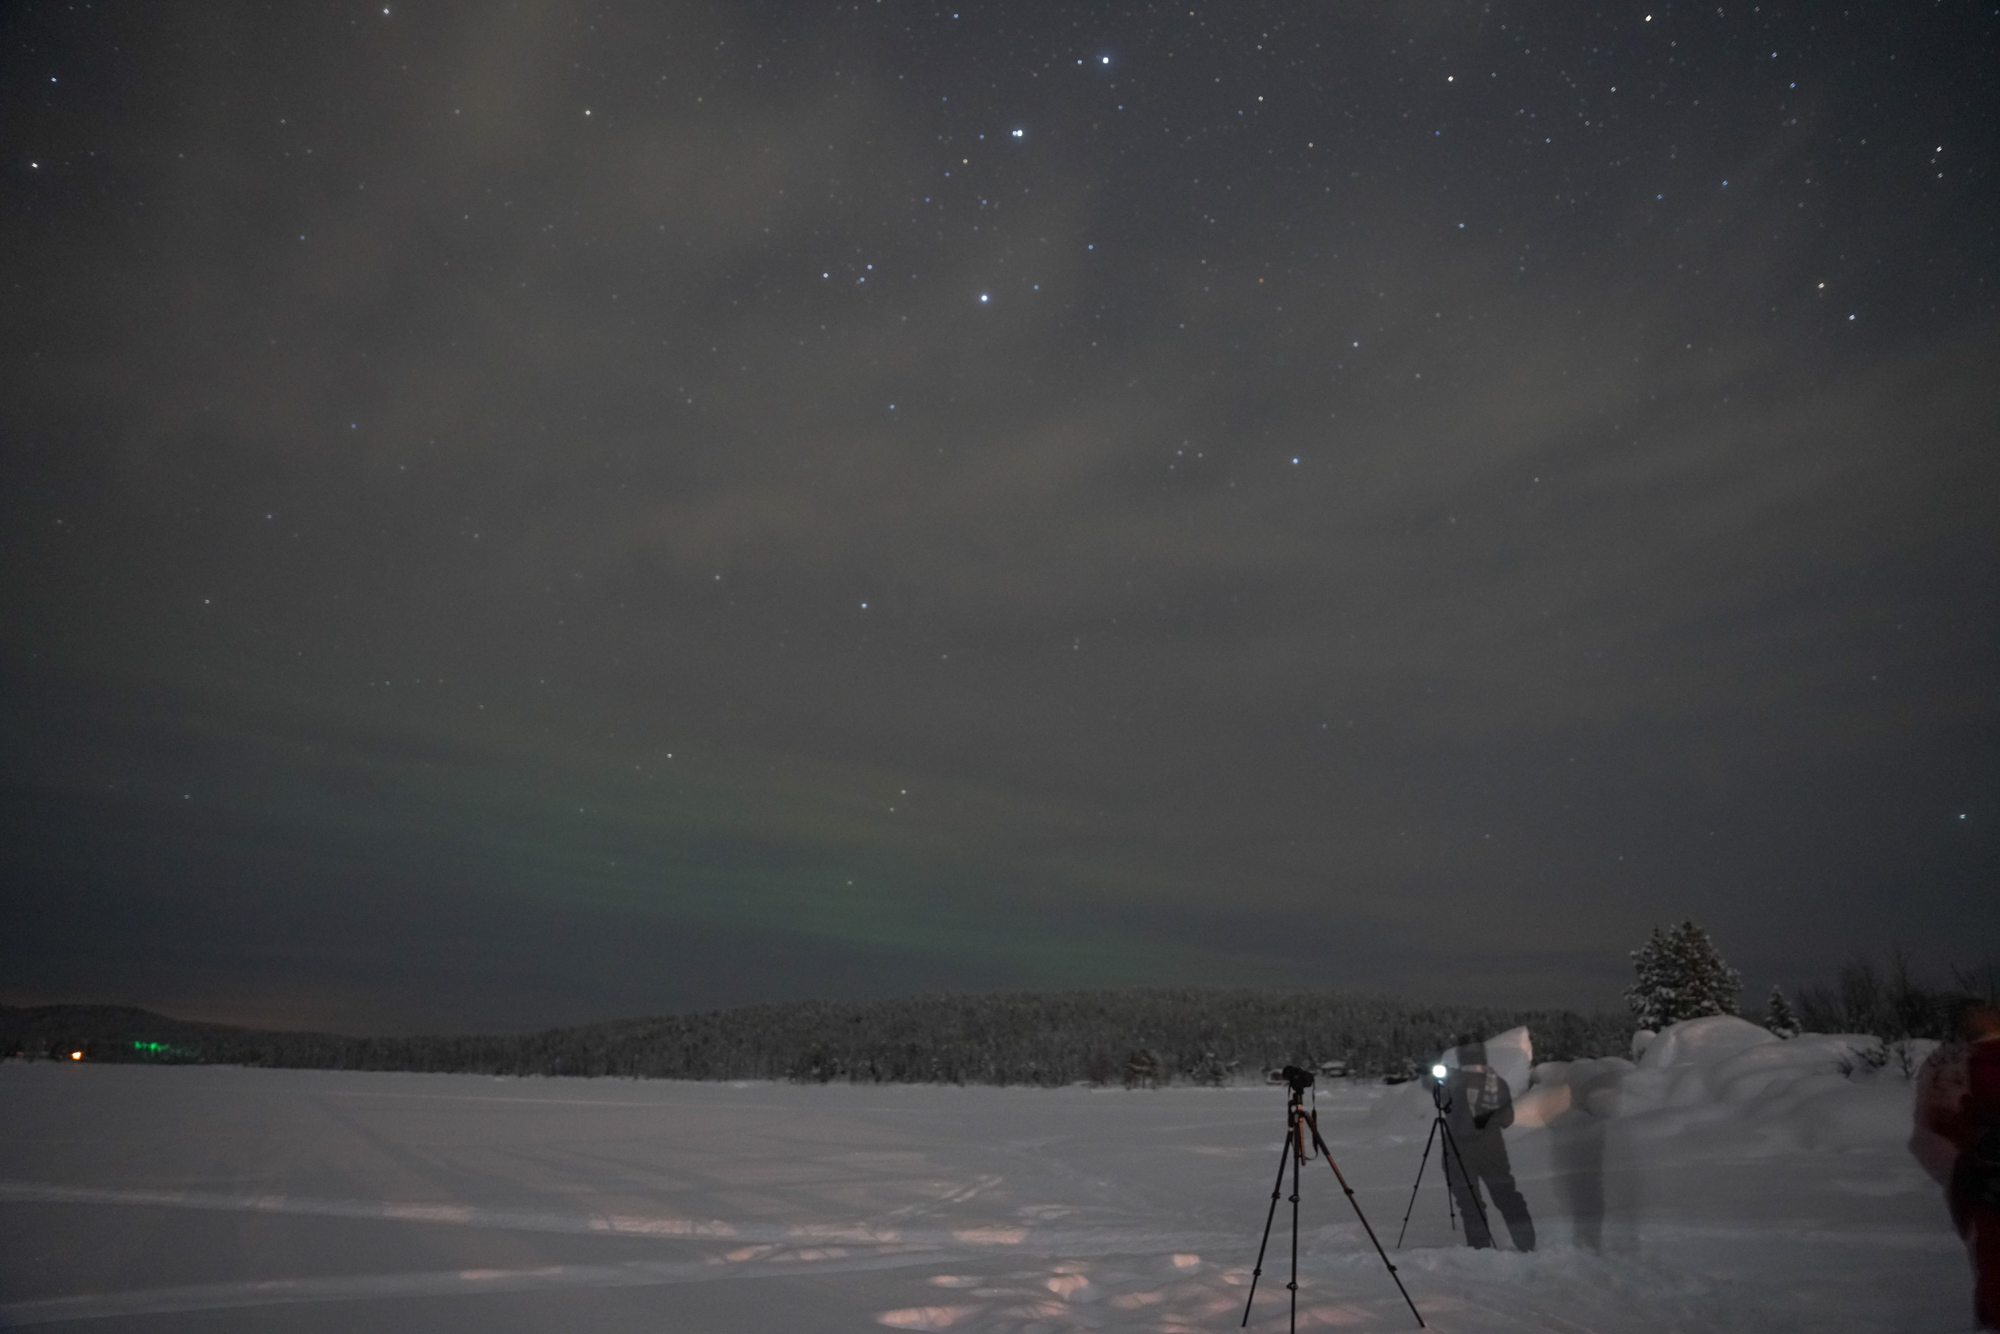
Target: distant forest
column 1142, row 1037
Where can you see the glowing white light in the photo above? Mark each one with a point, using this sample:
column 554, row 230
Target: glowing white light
column 1439, row 1072
column 1019, row 133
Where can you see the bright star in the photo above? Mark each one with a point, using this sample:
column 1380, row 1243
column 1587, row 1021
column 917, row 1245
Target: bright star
column 982, row 298
column 1019, row 133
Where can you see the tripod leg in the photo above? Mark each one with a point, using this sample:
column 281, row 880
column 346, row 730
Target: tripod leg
column 1293, row 1286
column 1276, row 1188
column 1471, row 1187
column 1320, row 1144
column 1450, row 1200
column 1421, row 1164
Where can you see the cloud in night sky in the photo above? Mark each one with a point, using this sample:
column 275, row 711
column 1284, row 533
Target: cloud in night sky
column 524, row 513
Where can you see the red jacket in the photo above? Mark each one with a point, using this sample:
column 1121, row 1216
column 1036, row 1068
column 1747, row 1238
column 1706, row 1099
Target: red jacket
column 1958, row 1100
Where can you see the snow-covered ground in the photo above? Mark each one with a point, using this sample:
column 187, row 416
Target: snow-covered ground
column 1710, row 1189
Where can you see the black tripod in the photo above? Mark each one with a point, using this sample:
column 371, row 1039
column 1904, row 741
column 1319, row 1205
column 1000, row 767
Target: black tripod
column 1298, row 1122
column 1441, row 1131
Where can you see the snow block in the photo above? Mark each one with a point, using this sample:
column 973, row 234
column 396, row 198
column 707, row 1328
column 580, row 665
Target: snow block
column 1511, row 1055
column 1706, row 1041
column 1541, row 1105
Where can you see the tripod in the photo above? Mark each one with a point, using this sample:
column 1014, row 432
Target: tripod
column 1299, row 1122
column 1440, row 1131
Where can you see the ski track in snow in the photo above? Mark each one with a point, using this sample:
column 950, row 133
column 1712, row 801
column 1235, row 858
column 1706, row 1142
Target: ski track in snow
column 137, row 1199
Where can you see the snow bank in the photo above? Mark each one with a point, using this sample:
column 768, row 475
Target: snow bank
column 1703, row 1041
column 1726, row 1078
column 1814, row 1091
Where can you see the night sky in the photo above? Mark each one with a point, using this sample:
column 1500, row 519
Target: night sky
column 513, row 514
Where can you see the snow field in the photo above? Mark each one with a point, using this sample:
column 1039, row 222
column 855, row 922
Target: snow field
column 1724, row 1181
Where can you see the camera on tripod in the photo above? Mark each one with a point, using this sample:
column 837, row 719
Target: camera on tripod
column 1303, row 1143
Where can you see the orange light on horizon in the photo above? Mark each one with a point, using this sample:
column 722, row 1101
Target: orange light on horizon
column 76, row 1056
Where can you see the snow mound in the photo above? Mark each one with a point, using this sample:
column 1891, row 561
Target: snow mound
column 1703, row 1041
column 1730, row 1078
column 1814, row 1091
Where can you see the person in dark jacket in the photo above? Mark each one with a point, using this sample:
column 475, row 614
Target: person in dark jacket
column 1957, row 1139
column 1478, row 1106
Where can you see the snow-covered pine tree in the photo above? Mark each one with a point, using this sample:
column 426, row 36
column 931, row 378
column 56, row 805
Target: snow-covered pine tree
column 1681, row 975
column 1144, row 1069
column 1652, row 994
column 1778, row 1016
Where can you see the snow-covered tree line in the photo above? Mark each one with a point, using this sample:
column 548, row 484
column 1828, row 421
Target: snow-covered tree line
column 1050, row 1038
column 1139, row 1037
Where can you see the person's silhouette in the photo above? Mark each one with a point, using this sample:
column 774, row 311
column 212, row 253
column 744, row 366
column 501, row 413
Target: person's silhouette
column 1577, row 1144
column 1479, row 1106
column 1957, row 1139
